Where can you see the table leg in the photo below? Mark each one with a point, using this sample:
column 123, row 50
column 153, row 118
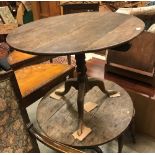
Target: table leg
column 92, row 82
column 83, row 85
column 97, row 149
column 80, row 104
column 72, row 82
column 120, row 143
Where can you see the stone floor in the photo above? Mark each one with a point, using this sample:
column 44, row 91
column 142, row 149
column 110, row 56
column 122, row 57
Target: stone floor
column 144, row 144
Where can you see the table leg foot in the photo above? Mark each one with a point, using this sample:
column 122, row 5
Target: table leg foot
column 80, row 128
column 97, row 149
column 111, row 92
column 132, row 131
column 120, row 143
column 96, row 82
column 68, row 84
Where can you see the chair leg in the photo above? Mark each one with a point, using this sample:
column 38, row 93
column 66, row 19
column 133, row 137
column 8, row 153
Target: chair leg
column 51, row 60
column 35, row 144
column 132, row 130
column 71, row 75
column 69, row 59
column 27, row 122
column 120, row 143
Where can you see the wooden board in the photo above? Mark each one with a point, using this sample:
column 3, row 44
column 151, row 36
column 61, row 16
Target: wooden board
column 145, row 116
column 140, row 56
column 74, row 33
column 137, row 62
column 58, row 118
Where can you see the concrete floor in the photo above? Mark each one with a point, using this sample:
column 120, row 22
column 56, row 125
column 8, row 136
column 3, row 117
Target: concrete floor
column 144, row 144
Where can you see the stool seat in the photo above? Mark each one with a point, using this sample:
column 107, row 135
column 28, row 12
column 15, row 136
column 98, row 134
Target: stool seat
column 17, row 56
column 34, row 77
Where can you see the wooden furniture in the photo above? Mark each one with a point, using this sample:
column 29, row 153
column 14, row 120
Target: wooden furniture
column 142, row 95
column 78, row 6
column 44, row 9
column 137, row 62
column 123, row 4
column 72, row 38
column 17, row 59
column 35, row 80
column 108, row 120
column 34, row 43
column 14, row 121
column 14, row 136
column 8, row 22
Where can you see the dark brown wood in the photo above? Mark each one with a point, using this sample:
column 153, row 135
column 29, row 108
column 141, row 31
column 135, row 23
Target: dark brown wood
column 137, row 62
column 69, row 40
column 140, row 56
column 142, row 94
column 132, row 130
column 90, row 32
column 120, row 143
column 78, row 6
column 107, row 121
column 83, row 85
column 97, row 149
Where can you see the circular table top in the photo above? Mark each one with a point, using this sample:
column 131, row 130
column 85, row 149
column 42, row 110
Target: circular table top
column 75, row 33
column 58, row 118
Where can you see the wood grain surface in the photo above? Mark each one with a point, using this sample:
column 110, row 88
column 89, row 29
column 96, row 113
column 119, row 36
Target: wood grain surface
column 28, row 84
column 74, row 33
column 58, row 118
column 140, row 56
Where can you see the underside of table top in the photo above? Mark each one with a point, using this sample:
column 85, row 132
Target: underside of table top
column 75, row 33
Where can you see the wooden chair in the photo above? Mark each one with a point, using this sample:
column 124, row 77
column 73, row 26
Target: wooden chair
column 15, row 124
column 14, row 136
column 16, row 58
column 136, row 62
column 35, row 80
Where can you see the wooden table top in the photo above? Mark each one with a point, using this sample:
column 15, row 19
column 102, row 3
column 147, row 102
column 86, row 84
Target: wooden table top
column 75, row 33
column 59, row 118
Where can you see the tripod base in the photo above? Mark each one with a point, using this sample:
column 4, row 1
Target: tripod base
column 83, row 87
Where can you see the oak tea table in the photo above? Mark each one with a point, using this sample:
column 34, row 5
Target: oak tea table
column 76, row 34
